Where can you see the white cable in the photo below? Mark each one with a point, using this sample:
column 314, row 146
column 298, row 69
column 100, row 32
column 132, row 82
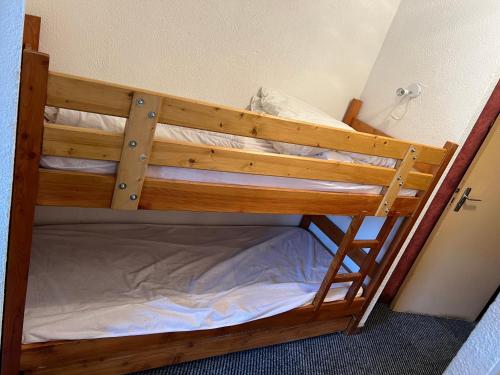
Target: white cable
column 394, row 116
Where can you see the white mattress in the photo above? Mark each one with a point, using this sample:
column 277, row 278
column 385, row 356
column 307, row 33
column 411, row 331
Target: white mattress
column 107, row 280
column 115, row 124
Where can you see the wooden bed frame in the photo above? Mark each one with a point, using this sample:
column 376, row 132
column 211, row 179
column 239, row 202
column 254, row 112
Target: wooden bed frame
column 130, row 190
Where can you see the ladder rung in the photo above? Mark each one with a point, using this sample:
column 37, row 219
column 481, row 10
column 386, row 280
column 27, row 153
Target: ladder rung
column 344, row 277
column 360, row 244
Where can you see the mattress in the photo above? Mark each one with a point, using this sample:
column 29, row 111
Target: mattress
column 115, row 124
column 106, row 280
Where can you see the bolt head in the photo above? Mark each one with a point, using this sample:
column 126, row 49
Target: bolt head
column 132, row 144
column 413, row 150
column 139, row 101
column 142, row 157
column 414, row 158
column 152, row 114
column 133, row 197
column 401, row 183
column 122, row 185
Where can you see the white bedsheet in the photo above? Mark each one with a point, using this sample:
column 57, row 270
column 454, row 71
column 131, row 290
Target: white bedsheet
column 106, row 280
column 196, row 175
column 116, row 124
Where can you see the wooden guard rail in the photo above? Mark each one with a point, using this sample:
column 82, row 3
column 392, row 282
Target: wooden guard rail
column 136, row 148
column 100, row 97
column 70, row 141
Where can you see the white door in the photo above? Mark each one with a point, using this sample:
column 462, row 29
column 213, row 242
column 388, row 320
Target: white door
column 458, row 269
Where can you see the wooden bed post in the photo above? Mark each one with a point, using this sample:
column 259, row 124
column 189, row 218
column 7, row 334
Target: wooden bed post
column 32, row 98
column 352, row 111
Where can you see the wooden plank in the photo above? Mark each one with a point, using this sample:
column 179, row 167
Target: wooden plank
column 186, row 155
column 173, row 353
column 398, row 180
column 346, row 277
column 305, row 222
column 133, row 353
column 74, row 189
column 70, row 141
column 136, row 151
column 329, row 228
column 360, row 244
column 363, row 127
column 93, row 96
column 337, row 261
column 31, row 32
column 232, row 198
column 352, row 112
column 32, row 95
column 366, row 128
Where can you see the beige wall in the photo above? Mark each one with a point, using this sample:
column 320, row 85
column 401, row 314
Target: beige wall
column 221, row 51
column 452, row 48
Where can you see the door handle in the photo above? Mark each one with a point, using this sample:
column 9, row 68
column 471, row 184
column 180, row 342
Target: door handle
column 465, row 197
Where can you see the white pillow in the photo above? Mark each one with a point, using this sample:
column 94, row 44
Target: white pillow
column 276, row 103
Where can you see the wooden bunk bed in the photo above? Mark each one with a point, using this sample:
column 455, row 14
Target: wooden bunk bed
column 419, row 168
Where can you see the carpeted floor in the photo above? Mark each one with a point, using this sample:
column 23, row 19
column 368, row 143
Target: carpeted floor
column 390, row 343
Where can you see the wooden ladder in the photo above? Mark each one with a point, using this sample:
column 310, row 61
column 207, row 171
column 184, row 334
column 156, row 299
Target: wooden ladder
column 354, row 249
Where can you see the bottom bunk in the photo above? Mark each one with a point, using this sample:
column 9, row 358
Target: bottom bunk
column 105, row 280
column 147, row 295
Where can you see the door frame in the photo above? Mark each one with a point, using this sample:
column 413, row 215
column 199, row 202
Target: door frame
column 444, row 194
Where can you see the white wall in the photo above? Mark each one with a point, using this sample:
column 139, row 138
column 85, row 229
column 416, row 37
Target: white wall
column 480, row 354
column 220, row 51
column 451, row 47
column 11, row 30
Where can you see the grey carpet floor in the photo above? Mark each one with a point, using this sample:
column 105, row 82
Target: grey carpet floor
column 390, row 343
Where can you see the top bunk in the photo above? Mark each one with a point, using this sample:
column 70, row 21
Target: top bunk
column 416, row 166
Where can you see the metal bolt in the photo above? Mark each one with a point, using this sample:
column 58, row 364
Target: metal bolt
column 142, row 157
column 152, row 114
column 386, row 203
column 139, row 101
column 399, row 178
column 413, row 149
column 122, row 185
column 132, row 144
column 414, row 158
column 133, row 197
column 401, row 183
column 386, row 210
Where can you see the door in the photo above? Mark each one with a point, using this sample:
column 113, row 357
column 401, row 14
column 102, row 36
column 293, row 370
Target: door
column 458, row 270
